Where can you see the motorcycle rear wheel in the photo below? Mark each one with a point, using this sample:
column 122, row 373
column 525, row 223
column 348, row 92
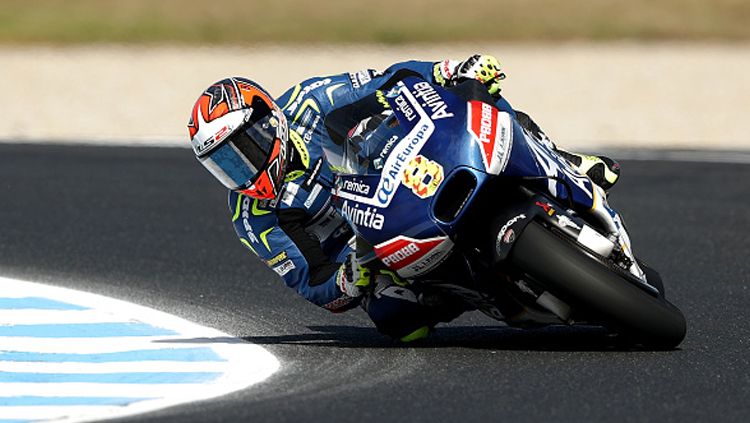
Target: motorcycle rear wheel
column 588, row 285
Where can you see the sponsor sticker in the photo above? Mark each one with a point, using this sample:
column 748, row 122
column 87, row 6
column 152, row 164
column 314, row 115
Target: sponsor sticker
column 222, row 133
column 378, row 162
column 492, row 132
column 427, row 262
column 338, row 303
column 403, row 105
column 304, row 92
column 547, row 207
column 387, row 147
column 313, row 195
column 313, row 175
column 401, row 254
column 277, row 259
column 428, row 97
column 284, row 268
column 362, row 77
column 506, row 232
column 355, row 186
column 368, row 217
column 246, row 219
column 400, row 156
column 566, row 221
column 307, row 137
column 410, row 256
column 289, row 193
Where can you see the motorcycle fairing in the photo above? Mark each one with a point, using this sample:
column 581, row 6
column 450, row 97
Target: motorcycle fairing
column 410, row 257
column 531, row 157
column 435, row 126
column 493, row 133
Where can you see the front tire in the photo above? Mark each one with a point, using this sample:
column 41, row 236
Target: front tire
column 589, row 286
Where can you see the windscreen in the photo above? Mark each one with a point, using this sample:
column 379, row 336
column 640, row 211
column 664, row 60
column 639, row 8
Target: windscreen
column 368, row 145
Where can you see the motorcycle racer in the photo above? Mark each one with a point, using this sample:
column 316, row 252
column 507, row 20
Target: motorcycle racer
column 274, row 156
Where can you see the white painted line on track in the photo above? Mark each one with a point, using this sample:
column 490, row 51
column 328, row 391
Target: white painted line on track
column 37, row 413
column 135, row 366
column 110, row 344
column 67, row 356
column 31, row 317
column 97, row 390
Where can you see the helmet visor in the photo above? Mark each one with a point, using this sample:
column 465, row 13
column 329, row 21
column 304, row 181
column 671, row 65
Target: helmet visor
column 240, row 159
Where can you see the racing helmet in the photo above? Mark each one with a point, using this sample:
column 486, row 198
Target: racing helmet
column 240, row 135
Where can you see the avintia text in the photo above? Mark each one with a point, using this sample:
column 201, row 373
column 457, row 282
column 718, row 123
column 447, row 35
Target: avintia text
column 369, row 217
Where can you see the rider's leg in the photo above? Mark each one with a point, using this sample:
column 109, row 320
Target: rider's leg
column 400, row 311
column 602, row 170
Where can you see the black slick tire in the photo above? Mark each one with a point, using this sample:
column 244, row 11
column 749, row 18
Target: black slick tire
column 587, row 284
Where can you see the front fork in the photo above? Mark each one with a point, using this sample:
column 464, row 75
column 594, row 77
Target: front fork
column 617, row 233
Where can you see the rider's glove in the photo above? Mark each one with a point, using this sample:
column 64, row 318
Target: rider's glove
column 484, row 68
column 353, row 278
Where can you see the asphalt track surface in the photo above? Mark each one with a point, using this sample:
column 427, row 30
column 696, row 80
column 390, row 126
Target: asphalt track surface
column 149, row 225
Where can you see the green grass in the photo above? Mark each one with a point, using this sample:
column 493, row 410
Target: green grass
column 382, row 21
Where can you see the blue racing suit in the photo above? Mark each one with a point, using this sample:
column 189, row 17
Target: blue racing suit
column 299, row 234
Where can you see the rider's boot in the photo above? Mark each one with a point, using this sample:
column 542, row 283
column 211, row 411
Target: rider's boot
column 602, row 170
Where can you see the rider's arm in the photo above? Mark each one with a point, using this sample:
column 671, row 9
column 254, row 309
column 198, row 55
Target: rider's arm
column 280, row 240
column 335, row 91
column 366, row 82
column 344, row 92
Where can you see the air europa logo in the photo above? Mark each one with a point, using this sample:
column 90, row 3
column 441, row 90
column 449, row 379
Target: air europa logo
column 391, row 175
column 402, row 152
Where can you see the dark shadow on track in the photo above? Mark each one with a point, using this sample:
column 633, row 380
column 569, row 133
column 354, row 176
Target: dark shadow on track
column 553, row 338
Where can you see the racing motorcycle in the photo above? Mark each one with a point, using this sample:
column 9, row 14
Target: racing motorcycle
column 454, row 194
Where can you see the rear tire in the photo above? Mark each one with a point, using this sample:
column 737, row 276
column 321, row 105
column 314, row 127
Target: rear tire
column 589, row 286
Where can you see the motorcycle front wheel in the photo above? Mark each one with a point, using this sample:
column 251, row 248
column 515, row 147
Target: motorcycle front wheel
column 589, row 285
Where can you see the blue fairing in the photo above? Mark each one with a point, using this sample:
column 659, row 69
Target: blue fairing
column 403, row 165
column 531, row 157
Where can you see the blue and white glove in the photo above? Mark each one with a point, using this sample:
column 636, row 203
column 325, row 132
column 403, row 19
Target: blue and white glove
column 484, row 68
